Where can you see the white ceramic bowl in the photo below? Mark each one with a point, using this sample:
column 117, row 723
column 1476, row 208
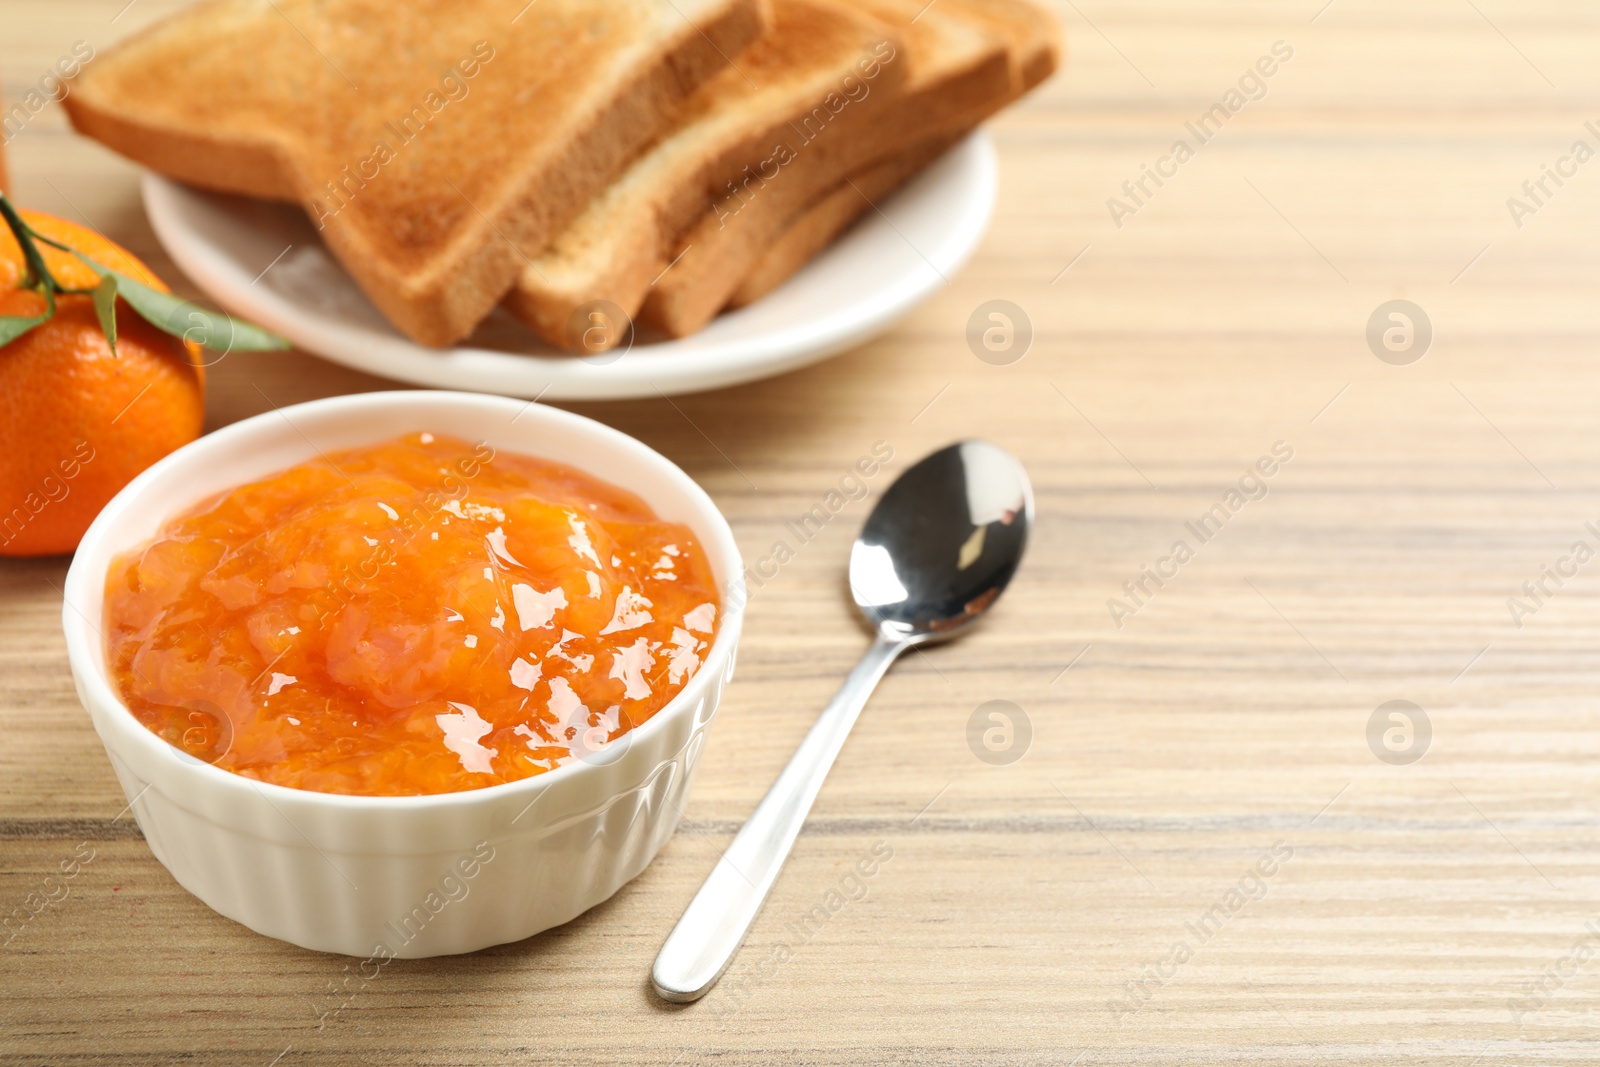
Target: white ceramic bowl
column 402, row 876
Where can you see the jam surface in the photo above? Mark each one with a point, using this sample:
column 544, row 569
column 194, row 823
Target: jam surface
column 420, row 616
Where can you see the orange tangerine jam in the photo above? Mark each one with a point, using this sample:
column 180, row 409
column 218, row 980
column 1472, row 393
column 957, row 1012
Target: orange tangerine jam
column 420, row 616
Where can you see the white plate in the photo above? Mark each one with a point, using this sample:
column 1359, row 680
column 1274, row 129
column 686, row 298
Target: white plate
column 263, row 261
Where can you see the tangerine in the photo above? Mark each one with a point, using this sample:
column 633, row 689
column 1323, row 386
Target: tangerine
column 77, row 420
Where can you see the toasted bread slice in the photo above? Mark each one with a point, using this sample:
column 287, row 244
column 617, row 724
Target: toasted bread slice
column 437, row 144
column 1032, row 36
column 734, row 125
column 956, row 66
column 1033, row 41
column 830, row 216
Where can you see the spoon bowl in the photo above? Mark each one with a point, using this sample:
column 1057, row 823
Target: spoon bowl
column 942, row 543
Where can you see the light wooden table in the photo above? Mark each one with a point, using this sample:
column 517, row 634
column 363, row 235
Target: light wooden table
column 1227, row 717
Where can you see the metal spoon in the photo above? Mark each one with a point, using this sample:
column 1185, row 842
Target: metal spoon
column 934, row 555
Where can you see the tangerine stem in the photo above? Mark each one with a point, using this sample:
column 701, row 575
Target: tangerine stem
column 37, row 236
column 38, row 274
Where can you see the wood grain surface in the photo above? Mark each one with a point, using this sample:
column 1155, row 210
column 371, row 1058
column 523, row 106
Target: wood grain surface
column 1103, row 899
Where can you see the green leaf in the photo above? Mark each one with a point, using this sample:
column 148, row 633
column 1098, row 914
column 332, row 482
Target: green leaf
column 105, row 309
column 187, row 320
column 14, row 326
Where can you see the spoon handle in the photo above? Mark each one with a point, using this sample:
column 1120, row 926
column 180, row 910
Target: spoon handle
column 702, row 945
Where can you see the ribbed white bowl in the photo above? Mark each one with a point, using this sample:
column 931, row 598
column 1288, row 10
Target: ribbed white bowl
column 402, row 876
